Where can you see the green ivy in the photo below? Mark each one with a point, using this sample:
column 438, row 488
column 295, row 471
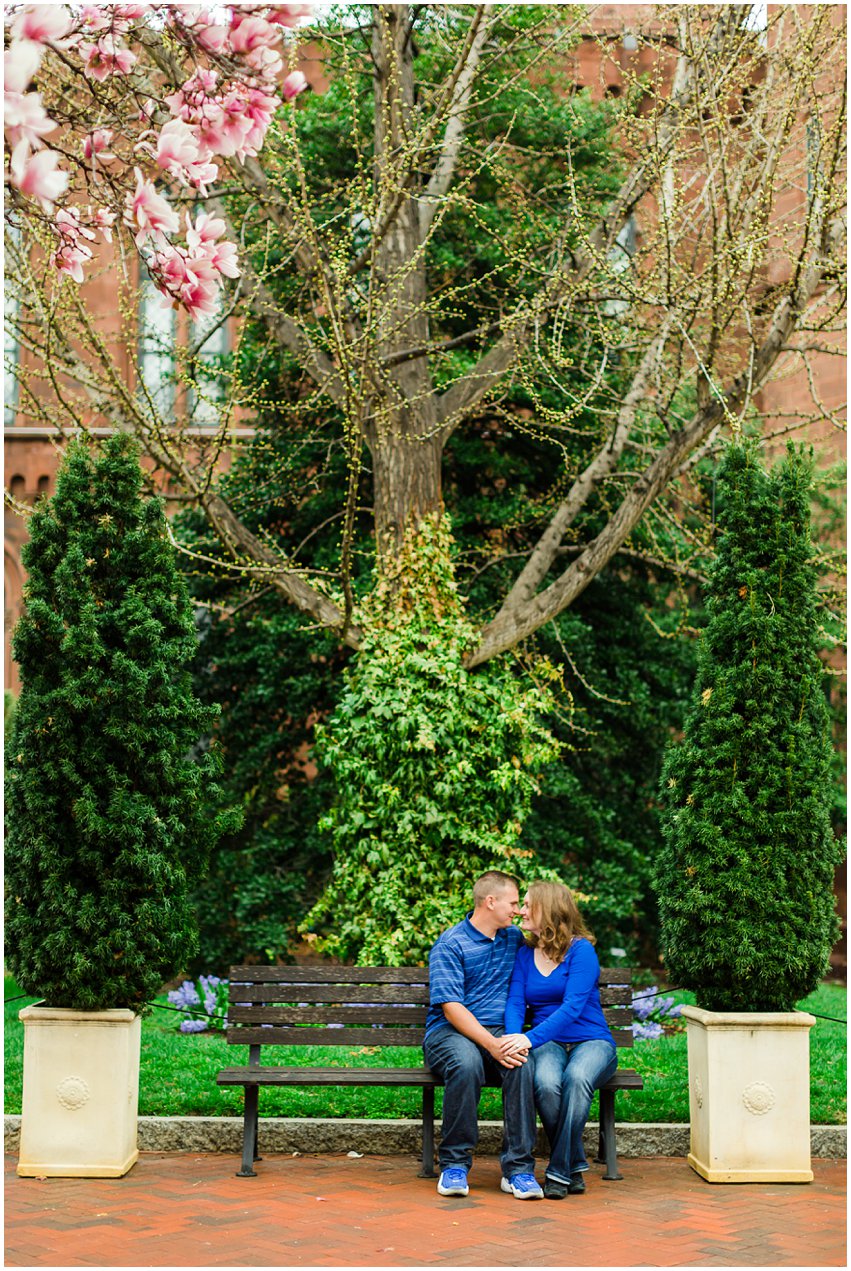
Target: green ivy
column 435, row 766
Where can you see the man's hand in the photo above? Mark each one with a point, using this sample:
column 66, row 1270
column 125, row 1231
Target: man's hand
column 513, row 1049
column 508, row 1056
column 465, row 1022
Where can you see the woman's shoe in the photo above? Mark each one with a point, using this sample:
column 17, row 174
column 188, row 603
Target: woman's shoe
column 554, row 1190
column 576, row 1186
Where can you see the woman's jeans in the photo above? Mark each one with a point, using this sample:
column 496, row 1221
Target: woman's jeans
column 463, row 1067
column 566, row 1076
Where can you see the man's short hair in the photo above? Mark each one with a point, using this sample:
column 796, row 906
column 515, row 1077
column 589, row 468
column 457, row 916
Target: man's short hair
column 493, row 883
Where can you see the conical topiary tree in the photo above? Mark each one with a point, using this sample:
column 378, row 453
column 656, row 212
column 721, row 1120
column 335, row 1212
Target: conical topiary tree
column 745, row 878
column 108, row 814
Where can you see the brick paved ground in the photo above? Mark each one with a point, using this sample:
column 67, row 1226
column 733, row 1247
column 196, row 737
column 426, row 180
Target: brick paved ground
column 189, row 1210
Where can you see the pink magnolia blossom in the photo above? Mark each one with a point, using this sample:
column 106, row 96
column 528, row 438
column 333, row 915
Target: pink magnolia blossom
column 106, row 58
column 73, row 252
column 196, row 18
column 94, row 17
column 24, row 118
column 70, row 227
column 218, row 132
column 267, row 62
column 70, row 260
column 223, row 258
column 289, row 14
column 207, row 229
column 104, row 220
column 149, row 211
column 252, row 33
column 191, row 281
column 130, row 11
column 201, row 298
column 96, row 145
column 294, row 84
column 202, row 175
column 20, row 63
column 38, row 175
column 202, row 241
column 41, row 23
column 177, row 146
column 189, row 100
column 261, row 106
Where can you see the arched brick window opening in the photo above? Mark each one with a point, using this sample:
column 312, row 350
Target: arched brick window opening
column 17, row 486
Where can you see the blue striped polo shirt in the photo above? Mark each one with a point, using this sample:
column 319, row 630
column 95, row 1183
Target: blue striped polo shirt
column 468, row 967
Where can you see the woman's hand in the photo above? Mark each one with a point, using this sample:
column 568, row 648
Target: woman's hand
column 514, row 1044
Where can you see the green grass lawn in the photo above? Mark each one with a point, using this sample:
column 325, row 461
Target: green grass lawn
column 178, row 1074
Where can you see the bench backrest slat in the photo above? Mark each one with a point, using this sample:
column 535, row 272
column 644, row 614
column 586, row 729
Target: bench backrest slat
column 272, row 1035
column 390, row 994
column 330, row 974
column 412, row 1016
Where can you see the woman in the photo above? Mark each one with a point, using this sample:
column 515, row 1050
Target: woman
column 556, row 980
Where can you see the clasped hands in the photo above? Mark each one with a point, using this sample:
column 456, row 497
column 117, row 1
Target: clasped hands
column 512, row 1049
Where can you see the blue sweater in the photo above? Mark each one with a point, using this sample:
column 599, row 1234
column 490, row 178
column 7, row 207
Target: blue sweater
column 564, row 1005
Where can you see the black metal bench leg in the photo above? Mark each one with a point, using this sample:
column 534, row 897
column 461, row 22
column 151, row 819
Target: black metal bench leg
column 427, row 1170
column 249, row 1133
column 608, row 1145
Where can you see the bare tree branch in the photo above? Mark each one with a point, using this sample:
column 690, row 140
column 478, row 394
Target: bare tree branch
column 506, row 630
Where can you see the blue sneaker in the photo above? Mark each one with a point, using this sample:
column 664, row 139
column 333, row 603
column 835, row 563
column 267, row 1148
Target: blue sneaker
column 523, row 1186
column 453, row 1182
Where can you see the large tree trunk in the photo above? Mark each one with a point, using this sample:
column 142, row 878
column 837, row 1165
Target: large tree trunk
column 402, row 430
column 406, row 475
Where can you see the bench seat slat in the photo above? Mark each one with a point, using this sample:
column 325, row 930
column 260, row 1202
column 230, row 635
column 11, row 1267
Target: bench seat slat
column 624, row 1079
column 326, row 1077
column 276, row 1034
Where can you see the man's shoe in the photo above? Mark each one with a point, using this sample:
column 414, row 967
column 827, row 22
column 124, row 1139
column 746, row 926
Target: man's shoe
column 523, row 1186
column 577, row 1184
column 554, row 1189
column 453, row 1182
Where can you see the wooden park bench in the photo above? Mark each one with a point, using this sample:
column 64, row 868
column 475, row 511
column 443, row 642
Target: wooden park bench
column 371, row 1006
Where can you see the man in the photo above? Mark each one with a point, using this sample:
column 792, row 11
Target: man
column 470, row 968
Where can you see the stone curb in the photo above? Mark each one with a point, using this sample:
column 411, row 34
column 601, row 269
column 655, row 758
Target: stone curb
column 395, row 1138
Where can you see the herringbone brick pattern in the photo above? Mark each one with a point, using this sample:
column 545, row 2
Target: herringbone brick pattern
column 188, row 1210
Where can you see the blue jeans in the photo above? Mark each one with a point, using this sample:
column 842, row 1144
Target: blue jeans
column 566, row 1077
column 463, row 1067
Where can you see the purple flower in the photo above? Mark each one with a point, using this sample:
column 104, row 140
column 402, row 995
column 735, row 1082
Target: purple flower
column 647, row 1032
column 185, row 996
column 193, row 1025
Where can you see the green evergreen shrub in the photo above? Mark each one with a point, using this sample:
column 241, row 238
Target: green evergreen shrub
column 435, row 766
column 107, row 805
column 745, row 878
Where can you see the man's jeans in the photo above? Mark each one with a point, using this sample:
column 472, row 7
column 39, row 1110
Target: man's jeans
column 464, row 1067
column 566, row 1077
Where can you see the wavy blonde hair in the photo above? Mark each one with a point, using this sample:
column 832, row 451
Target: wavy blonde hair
column 554, row 911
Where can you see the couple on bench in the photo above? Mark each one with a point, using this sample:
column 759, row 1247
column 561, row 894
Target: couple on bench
column 485, row 979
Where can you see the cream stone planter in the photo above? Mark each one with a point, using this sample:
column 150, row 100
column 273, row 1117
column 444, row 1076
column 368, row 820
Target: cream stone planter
column 749, row 1095
column 81, row 1092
